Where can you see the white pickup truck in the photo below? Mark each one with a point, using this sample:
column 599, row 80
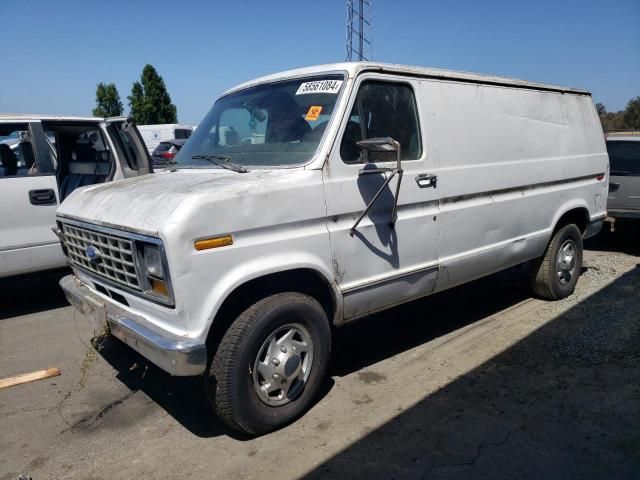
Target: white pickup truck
column 317, row 196
column 43, row 159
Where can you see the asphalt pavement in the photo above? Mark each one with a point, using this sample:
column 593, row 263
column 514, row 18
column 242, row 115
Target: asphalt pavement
column 482, row 381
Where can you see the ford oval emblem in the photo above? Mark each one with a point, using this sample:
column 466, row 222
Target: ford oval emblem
column 92, row 253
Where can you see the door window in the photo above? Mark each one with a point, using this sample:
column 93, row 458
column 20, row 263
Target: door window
column 382, row 109
column 17, row 157
column 130, row 148
column 624, row 157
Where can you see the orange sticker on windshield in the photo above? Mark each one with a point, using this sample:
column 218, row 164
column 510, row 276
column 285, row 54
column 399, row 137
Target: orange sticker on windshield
column 313, row 113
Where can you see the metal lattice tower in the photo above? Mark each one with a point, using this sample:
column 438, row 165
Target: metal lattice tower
column 358, row 44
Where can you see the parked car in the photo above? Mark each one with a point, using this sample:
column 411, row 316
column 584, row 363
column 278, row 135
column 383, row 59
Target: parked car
column 314, row 197
column 43, row 160
column 166, row 151
column 624, row 184
column 154, row 134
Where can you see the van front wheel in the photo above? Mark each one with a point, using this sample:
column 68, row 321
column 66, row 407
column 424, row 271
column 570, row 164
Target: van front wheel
column 555, row 274
column 270, row 364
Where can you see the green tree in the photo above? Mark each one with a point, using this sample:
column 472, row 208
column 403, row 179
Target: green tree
column 136, row 103
column 108, row 102
column 149, row 100
column 610, row 120
column 631, row 115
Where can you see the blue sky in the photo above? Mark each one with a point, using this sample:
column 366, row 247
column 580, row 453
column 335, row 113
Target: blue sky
column 55, row 52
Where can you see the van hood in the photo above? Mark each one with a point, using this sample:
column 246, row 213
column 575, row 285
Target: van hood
column 144, row 204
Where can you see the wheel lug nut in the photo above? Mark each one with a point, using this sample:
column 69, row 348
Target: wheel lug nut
column 275, row 376
column 293, row 349
column 275, row 361
column 283, row 349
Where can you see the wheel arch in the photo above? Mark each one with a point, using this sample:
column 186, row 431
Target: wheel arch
column 302, row 279
column 577, row 214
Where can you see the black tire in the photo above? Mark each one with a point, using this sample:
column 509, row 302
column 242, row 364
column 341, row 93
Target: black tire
column 230, row 381
column 546, row 282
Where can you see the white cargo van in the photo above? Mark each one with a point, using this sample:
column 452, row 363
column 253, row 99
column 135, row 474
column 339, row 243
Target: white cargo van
column 154, row 134
column 342, row 190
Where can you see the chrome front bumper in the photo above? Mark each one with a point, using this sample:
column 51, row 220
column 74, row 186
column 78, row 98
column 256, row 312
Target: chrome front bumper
column 176, row 355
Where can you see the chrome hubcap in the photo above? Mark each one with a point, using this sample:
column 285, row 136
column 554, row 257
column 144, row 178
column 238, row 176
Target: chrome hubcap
column 283, row 365
column 566, row 263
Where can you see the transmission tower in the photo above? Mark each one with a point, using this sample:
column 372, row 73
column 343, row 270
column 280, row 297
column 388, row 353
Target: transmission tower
column 358, row 43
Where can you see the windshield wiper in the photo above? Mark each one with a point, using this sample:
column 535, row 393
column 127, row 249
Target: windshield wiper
column 221, row 161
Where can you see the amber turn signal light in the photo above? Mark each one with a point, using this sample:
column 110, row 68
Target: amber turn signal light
column 159, row 287
column 215, row 242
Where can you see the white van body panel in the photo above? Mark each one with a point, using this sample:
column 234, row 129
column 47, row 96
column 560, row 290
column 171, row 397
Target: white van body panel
column 154, row 134
column 511, row 157
column 510, row 163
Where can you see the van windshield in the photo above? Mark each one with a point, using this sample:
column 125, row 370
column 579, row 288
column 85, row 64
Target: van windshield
column 274, row 124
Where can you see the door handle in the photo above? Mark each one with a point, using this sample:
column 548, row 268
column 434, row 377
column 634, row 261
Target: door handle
column 43, row 197
column 425, row 180
column 613, row 187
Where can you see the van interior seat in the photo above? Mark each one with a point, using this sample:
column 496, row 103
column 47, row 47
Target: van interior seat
column 26, row 150
column 87, row 167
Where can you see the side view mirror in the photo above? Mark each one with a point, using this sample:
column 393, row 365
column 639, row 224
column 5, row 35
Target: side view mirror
column 381, row 144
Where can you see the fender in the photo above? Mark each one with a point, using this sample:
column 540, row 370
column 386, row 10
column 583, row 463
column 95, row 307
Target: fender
column 256, row 268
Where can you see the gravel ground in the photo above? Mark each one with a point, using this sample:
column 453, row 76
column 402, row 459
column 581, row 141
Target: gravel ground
column 478, row 382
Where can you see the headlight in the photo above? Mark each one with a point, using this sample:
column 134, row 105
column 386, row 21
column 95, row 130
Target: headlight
column 153, row 261
column 155, row 279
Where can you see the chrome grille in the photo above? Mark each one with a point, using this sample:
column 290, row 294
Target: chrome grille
column 115, row 254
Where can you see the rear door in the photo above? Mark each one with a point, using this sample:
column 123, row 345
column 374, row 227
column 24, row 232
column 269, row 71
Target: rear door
column 28, row 200
column 131, row 152
column 624, row 183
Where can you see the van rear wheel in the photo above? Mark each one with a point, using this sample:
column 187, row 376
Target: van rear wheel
column 270, row 364
column 554, row 275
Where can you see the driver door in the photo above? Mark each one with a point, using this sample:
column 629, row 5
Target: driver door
column 380, row 265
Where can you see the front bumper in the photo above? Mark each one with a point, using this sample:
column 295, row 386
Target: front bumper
column 176, row 355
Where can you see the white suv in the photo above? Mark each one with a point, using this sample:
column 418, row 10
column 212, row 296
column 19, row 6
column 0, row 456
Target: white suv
column 43, row 160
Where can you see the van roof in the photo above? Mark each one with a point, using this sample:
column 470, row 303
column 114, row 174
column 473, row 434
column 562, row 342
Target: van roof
column 23, row 117
column 354, row 68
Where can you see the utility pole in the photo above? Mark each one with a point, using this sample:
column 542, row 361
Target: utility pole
column 359, row 26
